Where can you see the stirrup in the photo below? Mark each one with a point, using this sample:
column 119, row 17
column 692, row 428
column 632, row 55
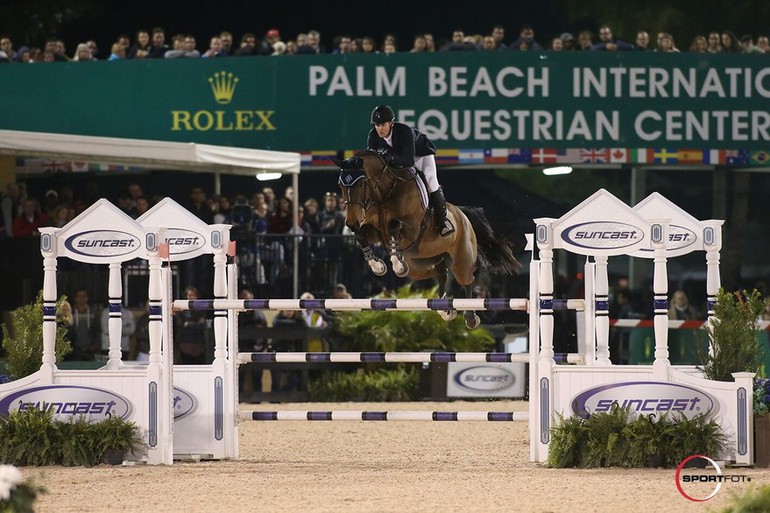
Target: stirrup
column 446, row 229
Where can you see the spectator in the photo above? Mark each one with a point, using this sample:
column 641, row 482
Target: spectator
column 9, row 209
column 699, row 45
column 227, row 43
column 183, row 46
column 498, row 34
column 94, row 49
column 142, row 46
column 747, row 44
column 86, row 327
column 458, row 43
column 141, row 205
column 291, row 48
column 50, row 202
column 368, row 45
column 158, row 48
column 430, row 43
column 341, row 292
column 355, row 45
column 82, row 53
column 128, row 328
column 762, row 44
column 269, row 196
column 526, row 40
column 489, row 44
column 65, row 319
column 341, row 44
column 680, row 308
column 190, row 332
column 557, row 45
column 279, row 48
column 714, row 43
column 248, row 46
column 24, row 55
column 29, row 220
column 248, row 343
column 666, row 43
column 118, row 52
column 642, row 41
column 6, row 46
column 61, row 216
column 568, row 41
column 215, row 48
column 585, row 40
column 730, row 43
column 272, row 37
column 419, row 45
column 608, row 43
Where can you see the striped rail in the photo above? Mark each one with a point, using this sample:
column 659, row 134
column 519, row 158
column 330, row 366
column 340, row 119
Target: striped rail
column 370, row 304
column 436, row 416
column 422, row 357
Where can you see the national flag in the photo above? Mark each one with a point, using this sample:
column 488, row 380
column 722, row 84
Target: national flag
column 594, row 155
column 520, row 156
column 471, row 156
column 306, row 159
column 79, row 167
column 496, row 156
column 447, row 156
column 714, row 157
column 545, row 156
column 760, row 158
column 737, row 157
column 664, row 156
column 324, row 157
column 618, row 155
column 640, row 155
column 56, row 166
column 690, row 156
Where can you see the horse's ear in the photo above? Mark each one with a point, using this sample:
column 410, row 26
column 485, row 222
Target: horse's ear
column 338, row 162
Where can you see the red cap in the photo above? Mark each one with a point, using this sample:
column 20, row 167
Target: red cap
column 273, row 33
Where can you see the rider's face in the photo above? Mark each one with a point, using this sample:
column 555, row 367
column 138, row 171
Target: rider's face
column 383, row 129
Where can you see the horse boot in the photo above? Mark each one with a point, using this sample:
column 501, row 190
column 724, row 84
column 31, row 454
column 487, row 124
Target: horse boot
column 443, row 224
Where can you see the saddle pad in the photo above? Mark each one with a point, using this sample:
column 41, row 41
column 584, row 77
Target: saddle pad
column 348, row 177
column 423, row 189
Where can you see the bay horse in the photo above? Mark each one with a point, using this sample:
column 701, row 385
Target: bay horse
column 384, row 205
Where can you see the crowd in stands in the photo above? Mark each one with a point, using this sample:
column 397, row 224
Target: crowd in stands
column 154, row 44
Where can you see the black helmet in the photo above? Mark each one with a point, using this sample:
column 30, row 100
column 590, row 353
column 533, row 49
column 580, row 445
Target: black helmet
column 382, row 114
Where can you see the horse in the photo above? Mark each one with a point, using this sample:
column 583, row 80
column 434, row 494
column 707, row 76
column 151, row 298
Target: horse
column 384, row 205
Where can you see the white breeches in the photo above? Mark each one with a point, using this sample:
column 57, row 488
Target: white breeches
column 427, row 165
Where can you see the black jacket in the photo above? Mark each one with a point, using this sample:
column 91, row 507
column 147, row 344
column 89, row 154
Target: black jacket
column 408, row 143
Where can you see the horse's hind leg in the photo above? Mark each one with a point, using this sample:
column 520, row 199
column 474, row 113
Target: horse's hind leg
column 396, row 258
column 376, row 264
column 443, row 277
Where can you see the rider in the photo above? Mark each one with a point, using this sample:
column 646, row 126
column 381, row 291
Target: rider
column 405, row 147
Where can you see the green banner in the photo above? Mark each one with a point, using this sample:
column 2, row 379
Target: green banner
column 631, row 101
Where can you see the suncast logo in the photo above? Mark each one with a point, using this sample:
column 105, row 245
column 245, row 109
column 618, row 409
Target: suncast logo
column 645, row 397
column 181, row 241
column 67, row 401
column 223, row 85
column 485, row 379
column 602, row 235
column 678, row 237
column 102, row 243
column 183, row 403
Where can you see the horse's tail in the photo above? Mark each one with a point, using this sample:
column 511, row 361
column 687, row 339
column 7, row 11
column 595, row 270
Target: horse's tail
column 495, row 252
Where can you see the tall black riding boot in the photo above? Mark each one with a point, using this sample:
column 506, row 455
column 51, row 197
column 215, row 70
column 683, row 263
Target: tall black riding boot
column 443, row 225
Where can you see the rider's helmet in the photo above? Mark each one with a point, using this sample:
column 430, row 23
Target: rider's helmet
column 382, row 114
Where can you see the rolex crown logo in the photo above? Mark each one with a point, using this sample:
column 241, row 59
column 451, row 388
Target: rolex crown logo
column 223, row 86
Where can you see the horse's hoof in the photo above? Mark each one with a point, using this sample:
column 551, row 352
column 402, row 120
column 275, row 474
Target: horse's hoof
column 472, row 321
column 401, row 270
column 447, row 315
column 378, row 267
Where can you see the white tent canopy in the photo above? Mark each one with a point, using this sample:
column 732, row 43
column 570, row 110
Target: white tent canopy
column 146, row 153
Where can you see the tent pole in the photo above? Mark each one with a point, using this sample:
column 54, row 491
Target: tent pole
column 295, row 274
column 217, row 183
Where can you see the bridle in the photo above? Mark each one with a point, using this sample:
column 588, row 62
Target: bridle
column 371, row 190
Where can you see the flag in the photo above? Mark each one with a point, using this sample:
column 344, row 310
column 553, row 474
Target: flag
column 714, row 157
column 56, row 166
column 306, row 159
column 664, row 156
column 618, row 155
column 447, row 156
column 760, row 158
column 496, row 156
column 471, row 156
column 594, row 155
column 640, row 155
column 737, row 157
column 545, row 156
column 324, row 158
column 690, row 156
column 520, row 156
column 79, row 167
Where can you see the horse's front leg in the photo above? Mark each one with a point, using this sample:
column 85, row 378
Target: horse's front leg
column 471, row 319
column 376, row 264
column 396, row 258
